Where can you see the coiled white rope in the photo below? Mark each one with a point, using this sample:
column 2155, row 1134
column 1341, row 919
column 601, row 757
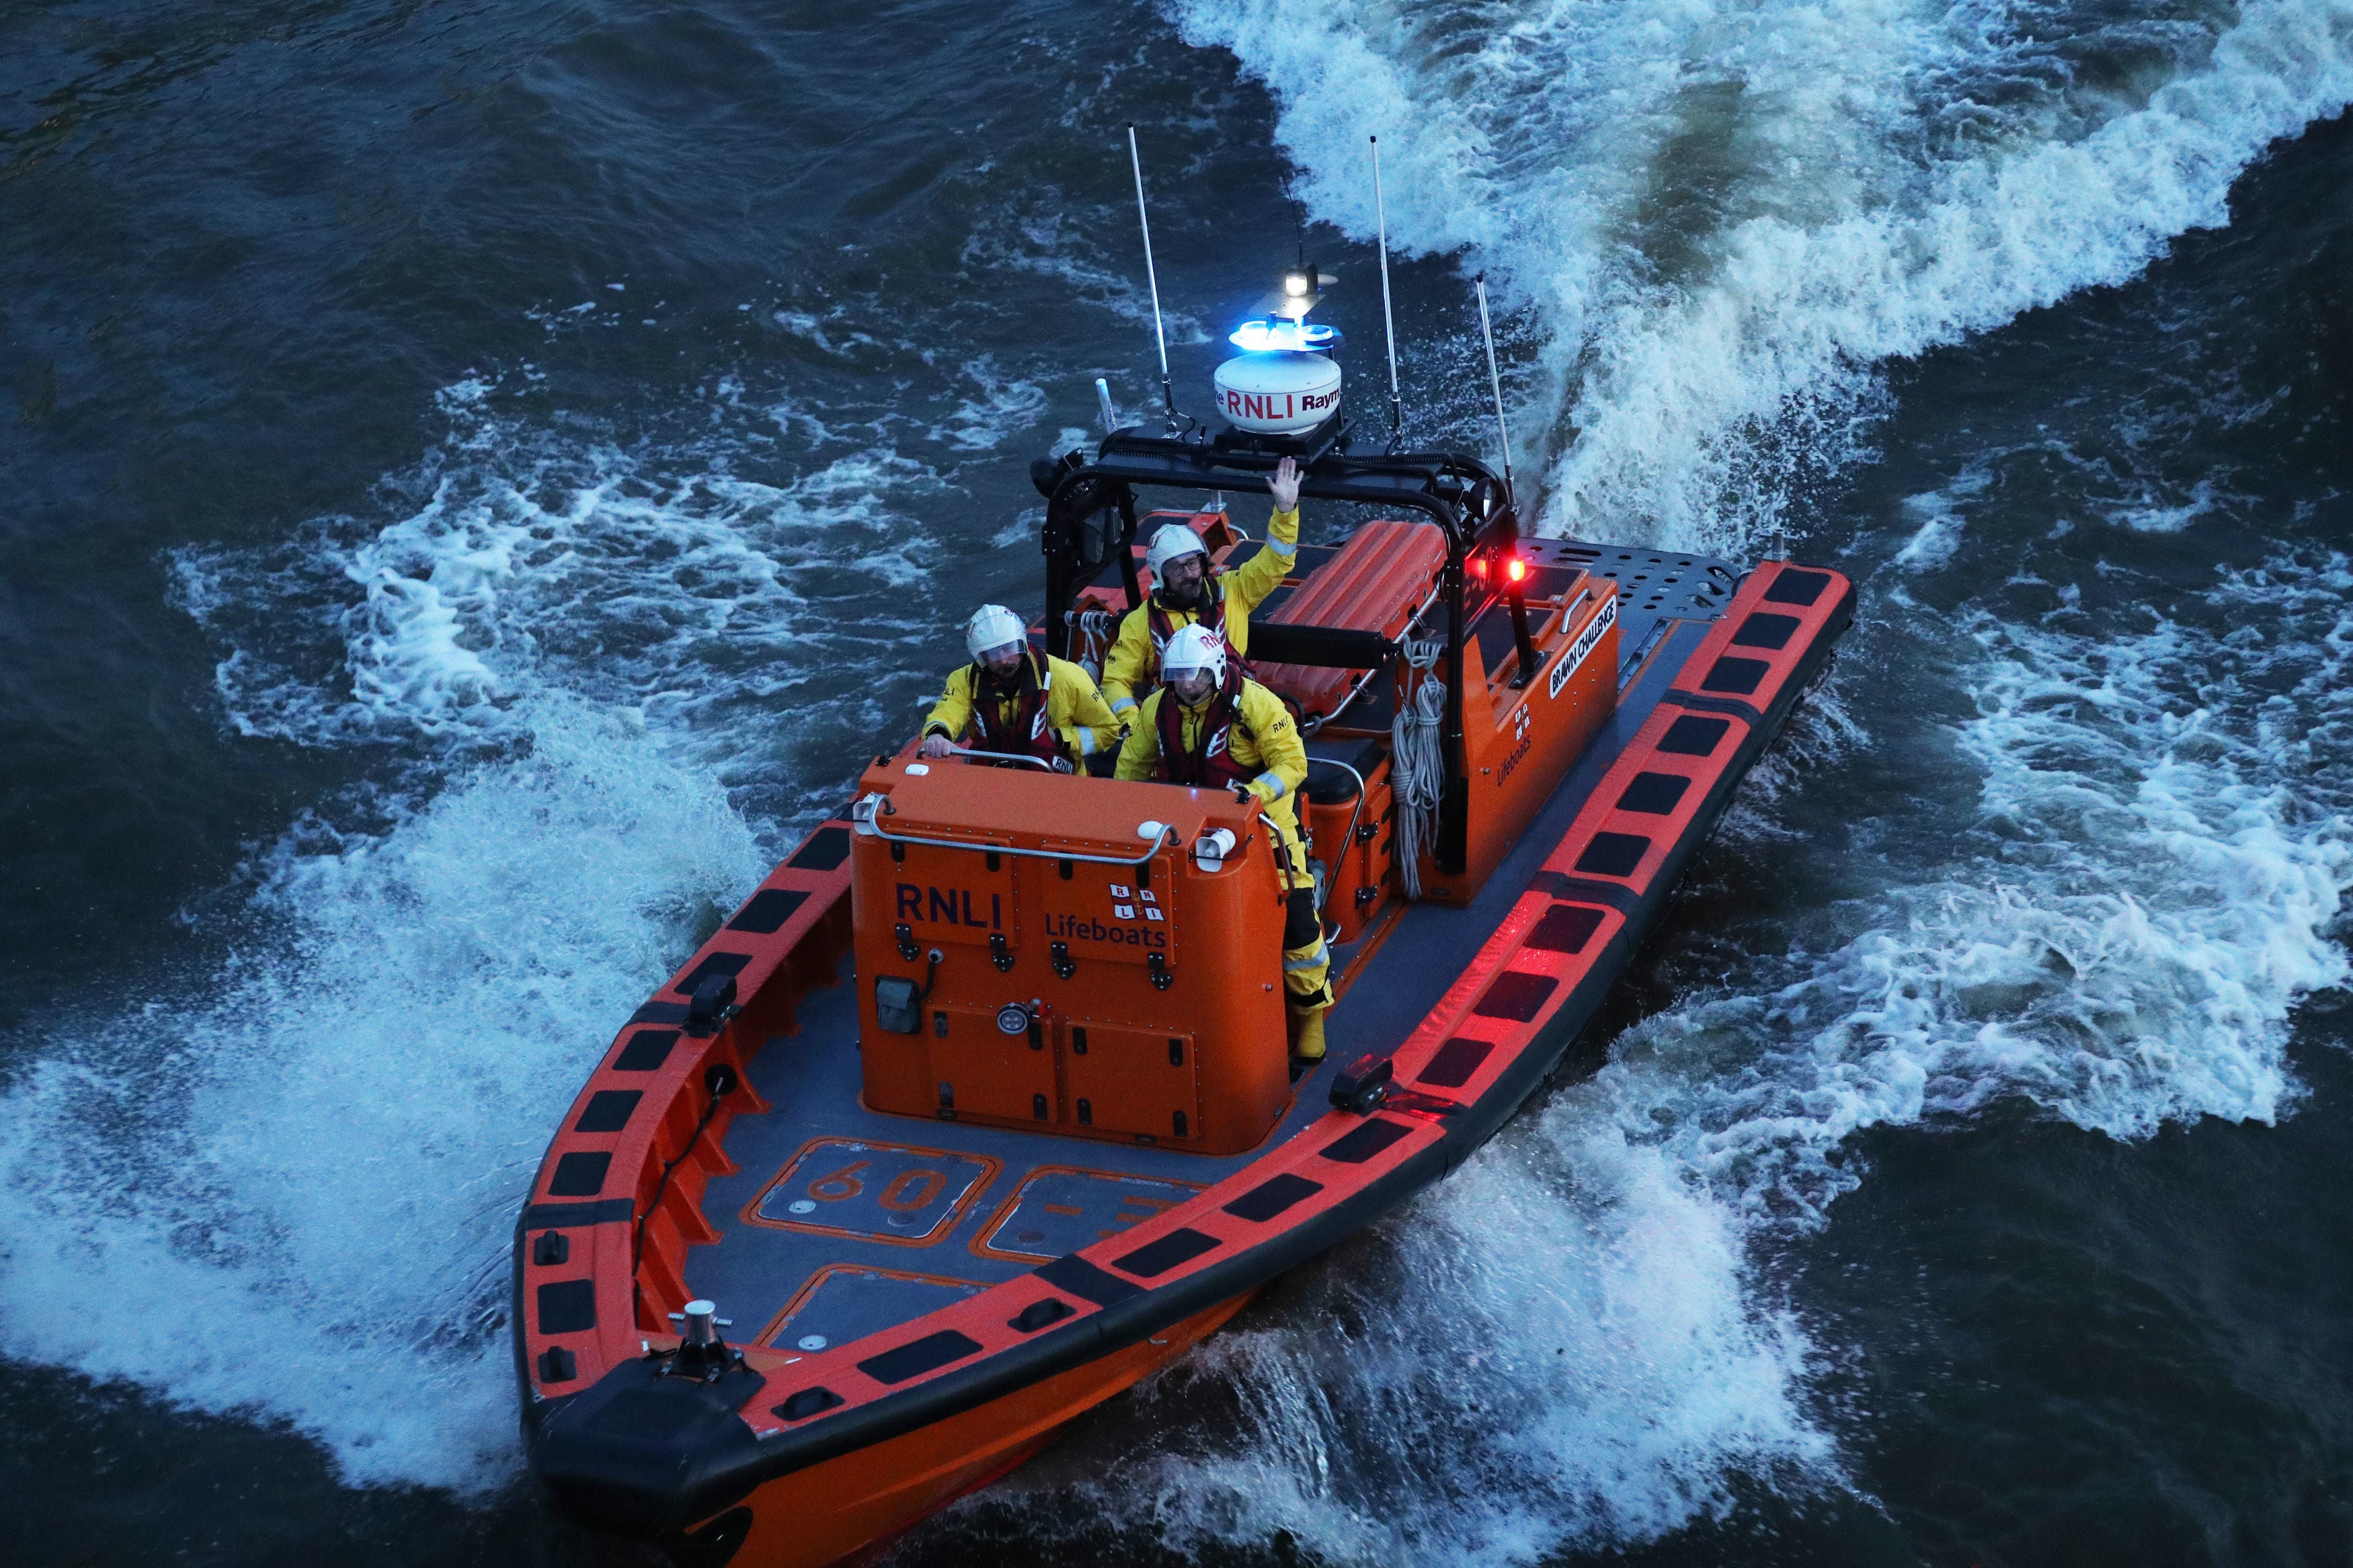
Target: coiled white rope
column 1417, row 762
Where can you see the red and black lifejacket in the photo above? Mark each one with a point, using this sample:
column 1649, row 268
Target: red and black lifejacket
column 1164, row 625
column 1209, row 760
column 1029, row 734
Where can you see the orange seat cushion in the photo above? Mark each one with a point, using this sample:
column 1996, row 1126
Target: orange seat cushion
column 1374, row 584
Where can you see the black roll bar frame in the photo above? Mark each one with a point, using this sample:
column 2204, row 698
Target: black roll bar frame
column 1468, row 500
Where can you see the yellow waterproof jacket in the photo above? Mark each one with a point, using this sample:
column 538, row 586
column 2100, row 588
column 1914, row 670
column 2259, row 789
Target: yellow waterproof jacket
column 1075, row 709
column 1134, row 663
column 1263, row 738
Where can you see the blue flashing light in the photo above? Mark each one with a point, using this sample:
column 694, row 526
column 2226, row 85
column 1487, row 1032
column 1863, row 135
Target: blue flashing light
column 1278, row 336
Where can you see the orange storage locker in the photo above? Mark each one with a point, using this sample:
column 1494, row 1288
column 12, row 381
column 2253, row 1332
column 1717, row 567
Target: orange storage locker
column 1348, row 831
column 1026, row 955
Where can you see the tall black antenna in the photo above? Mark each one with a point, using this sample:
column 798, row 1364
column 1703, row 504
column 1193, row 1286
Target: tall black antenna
column 1388, row 319
column 1159, row 334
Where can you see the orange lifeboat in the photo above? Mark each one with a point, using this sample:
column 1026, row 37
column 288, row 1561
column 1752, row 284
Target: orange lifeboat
column 978, row 1110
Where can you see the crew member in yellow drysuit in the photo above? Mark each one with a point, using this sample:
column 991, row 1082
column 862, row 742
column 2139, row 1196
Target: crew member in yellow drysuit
column 1185, row 591
column 1211, row 725
column 1010, row 699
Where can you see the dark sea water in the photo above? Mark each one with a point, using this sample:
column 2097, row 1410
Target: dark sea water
column 476, row 479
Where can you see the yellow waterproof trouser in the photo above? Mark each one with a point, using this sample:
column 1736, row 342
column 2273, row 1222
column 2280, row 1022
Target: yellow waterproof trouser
column 1306, row 961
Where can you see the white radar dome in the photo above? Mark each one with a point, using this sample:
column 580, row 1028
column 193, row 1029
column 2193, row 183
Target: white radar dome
column 1278, row 394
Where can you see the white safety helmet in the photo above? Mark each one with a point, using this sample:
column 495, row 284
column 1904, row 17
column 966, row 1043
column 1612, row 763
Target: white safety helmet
column 1174, row 539
column 993, row 627
column 1195, row 647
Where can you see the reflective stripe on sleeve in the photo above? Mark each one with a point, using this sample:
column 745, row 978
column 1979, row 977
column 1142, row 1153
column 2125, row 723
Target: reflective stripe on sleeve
column 1273, row 781
column 1122, row 704
column 1086, row 742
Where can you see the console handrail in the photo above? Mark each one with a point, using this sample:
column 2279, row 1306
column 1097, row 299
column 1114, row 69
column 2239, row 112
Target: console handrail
column 866, row 817
column 1038, row 762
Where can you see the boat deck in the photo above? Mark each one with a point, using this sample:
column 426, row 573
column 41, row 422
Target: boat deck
column 840, row 1222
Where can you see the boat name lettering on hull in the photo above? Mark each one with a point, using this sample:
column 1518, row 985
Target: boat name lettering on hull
column 1587, row 641
column 949, row 906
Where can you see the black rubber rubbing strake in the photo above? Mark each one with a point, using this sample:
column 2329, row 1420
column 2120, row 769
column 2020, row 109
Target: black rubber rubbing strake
column 1083, row 1279
column 1737, row 707
column 1585, row 890
column 1797, row 588
column 713, row 963
column 1272, row 1197
column 1613, row 853
column 1654, row 795
column 604, row 1213
column 1693, row 737
column 579, row 1175
column 659, row 1013
column 1516, row 995
column 1363, row 1143
column 1765, row 629
column 567, row 1306
column 827, row 847
column 609, row 1110
column 1566, row 928
column 917, row 1357
column 646, row 1049
column 1173, row 1250
column 1738, row 675
column 767, row 911
column 648, row 1415
column 1455, row 1063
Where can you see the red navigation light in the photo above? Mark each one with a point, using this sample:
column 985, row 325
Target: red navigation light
column 1479, row 567
column 1516, row 569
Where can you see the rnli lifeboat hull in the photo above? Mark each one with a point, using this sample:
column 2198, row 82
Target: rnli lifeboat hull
column 920, row 1304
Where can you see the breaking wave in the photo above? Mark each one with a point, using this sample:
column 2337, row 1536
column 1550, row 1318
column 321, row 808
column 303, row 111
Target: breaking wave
column 594, row 673
column 1715, row 227
column 288, row 1190
column 1719, row 222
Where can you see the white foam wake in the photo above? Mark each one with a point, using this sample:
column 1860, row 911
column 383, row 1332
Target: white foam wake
column 285, row 1187
column 1514, row 1361
column 289, row 1189
column 678, row 588
column 1722, row 220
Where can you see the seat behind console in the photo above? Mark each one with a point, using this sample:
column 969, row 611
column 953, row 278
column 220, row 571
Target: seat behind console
column 1374, row 583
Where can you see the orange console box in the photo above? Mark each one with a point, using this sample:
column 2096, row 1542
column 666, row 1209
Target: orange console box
column 1098, row 957
column 1520, row 740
